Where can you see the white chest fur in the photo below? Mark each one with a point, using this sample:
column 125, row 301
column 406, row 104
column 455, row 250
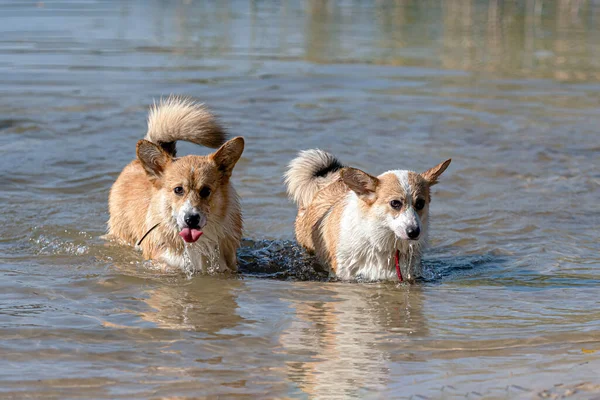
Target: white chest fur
column 203, row 256
column 366, row 248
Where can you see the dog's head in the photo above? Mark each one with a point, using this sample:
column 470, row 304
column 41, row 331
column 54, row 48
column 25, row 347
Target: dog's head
column 398, row 200
column 194, row 189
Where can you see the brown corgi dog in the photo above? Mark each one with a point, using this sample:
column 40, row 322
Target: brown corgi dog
column 181, row 211
column 361, row 226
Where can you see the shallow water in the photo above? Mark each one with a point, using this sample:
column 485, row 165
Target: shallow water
column 509, row 307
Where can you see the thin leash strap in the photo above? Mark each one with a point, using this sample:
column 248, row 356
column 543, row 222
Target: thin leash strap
column 147, row 233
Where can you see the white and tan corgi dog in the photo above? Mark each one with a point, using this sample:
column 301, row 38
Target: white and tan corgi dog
column 182, row 211
column 361, row 226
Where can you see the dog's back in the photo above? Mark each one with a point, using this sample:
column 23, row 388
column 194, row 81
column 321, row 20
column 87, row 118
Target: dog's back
column 313, row 182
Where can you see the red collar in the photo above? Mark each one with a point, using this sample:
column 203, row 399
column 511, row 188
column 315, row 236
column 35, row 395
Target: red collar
column 397, row 261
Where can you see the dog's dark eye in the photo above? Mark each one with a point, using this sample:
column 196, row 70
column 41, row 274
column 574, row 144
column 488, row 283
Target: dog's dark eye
column 205, row 192
column 419, row 204
column 178, row 190
column 396, row 204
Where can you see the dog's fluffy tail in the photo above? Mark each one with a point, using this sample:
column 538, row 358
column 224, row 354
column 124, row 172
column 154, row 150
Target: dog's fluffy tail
column 181, row 118
column 308, row 173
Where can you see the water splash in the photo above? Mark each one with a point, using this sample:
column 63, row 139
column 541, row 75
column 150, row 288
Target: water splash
column 202, row 258
column 188, row 266
column 409, row 264
column 64, row 242
column 271, row 259
column 279, row 259
column 214, row 259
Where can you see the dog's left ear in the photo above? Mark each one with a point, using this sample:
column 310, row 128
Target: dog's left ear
column 431, row 175
column 363, row 184
column 228, row 155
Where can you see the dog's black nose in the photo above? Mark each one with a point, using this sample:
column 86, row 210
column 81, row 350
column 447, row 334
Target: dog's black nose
column 192, row 220
column 413, row 233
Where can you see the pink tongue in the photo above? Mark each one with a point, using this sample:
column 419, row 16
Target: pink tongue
column 190, row 235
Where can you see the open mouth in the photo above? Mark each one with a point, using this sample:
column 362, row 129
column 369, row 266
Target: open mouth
column 190, row 235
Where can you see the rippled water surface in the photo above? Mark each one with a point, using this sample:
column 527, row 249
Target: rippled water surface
column 509, row 89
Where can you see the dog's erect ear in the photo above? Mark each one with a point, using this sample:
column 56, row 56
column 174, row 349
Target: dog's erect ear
column 153, row 158
column 431, row 175
column 228, row 155
column 363, row 184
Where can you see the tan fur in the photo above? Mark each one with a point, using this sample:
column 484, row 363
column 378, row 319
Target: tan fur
column 432, row 174
column 143, row 194
column 389, row 189
column 420, row 186
column 316, row 226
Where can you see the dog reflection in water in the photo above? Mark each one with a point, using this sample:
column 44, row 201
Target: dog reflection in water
column 343, row 347
column 203, row 305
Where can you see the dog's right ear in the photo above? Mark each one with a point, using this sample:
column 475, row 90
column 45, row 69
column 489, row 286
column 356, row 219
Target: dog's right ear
column 153, row 158
column 363, row 184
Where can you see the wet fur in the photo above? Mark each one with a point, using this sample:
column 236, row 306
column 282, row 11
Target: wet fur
column 143, row 196
column 344, row 216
